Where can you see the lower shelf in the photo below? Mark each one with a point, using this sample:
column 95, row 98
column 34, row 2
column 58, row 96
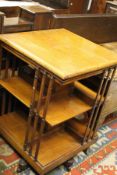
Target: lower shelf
column 79, row 127
column 53, row 147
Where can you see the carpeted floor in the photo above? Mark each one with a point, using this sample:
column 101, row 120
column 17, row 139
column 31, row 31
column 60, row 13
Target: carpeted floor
column 100, row 159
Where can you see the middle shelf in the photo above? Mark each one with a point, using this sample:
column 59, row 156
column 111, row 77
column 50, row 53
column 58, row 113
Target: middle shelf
column 19, row 88
column 62, row 107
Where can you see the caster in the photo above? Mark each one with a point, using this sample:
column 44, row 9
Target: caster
column 68, row 164
column 85, row 151
column 22, row 166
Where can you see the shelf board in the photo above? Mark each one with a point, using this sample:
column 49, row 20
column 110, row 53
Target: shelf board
column 63, row 107
column 18, row 88
column 13, row 127
column 79, row 127
column 15, row 21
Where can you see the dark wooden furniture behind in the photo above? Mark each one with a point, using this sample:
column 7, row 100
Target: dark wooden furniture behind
column 95, row 27
column 111, row 7
column 16, row 19
column 100, row 29
column 66, row 6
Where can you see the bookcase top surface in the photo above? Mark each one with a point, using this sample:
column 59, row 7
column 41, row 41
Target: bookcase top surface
column 61, row 52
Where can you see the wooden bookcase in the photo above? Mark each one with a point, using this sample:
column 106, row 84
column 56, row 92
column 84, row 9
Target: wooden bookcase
column 25, row 18
column 51, row 131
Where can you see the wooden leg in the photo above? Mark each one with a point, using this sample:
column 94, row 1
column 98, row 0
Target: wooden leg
column 93, row 109
column 31, row 109
column 42, row 126
column 99, row 104
column 68, row 164
column 22, row 166
column 36, row 116
column 105, row 91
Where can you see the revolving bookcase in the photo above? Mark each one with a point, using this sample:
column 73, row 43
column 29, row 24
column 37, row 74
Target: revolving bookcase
column 42, row 120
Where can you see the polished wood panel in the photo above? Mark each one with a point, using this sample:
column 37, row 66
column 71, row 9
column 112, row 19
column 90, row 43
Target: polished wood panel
column 57, row 56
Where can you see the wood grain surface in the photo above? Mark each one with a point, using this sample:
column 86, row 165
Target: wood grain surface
column 61, row 52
